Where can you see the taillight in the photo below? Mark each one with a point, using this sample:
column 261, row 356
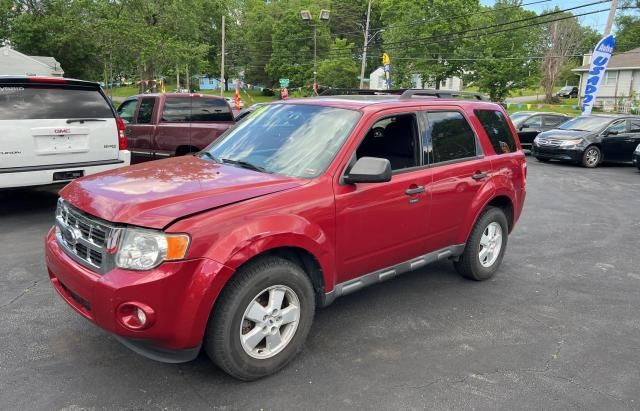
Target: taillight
column 122, row 138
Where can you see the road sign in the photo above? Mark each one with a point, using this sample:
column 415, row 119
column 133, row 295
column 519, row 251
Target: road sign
column 284, row 82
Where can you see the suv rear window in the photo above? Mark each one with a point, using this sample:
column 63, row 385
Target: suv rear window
column 27, row 102
column 498, row 131
column 194, row 110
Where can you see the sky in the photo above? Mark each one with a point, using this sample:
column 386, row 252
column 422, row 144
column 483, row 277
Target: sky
column 596, row 21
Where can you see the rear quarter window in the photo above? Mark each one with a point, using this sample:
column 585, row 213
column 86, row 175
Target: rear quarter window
column 196, row 110
column 29, row 102
column 495, row 126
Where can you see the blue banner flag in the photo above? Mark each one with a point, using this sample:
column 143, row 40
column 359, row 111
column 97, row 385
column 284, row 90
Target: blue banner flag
column 599, row 61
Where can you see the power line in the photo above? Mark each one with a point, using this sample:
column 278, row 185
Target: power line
column 423, row 20
column 447, row 37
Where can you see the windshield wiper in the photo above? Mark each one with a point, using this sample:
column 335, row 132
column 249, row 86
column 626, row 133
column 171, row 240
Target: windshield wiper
column 245, row 164
column 208, row 154
column 82, row 120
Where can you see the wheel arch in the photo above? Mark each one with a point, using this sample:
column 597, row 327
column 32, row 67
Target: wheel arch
column 500, row 199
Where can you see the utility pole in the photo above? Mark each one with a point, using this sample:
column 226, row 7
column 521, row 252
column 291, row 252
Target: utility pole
column 612, row 15
column 364, row 51
column 222, row 63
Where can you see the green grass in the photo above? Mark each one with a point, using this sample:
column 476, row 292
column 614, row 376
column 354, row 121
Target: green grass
column 565, row 107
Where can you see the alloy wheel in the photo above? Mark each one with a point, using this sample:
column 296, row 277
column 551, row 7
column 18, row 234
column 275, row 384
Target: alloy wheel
column 490, row 244
column 270, row 322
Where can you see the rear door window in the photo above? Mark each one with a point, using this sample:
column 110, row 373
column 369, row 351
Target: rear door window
column 195, row 110
column 634, row 126
column 495, row 125
column 449, row 137
column 29, row 102
column 145, row 112
column 552, row 121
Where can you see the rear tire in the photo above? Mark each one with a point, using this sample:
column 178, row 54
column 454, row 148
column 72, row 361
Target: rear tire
column 279, row 296
column 485, row 247
column 591, row 157
column 542, row 160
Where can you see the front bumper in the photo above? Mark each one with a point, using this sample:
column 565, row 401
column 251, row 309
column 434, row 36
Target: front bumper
column 557, row 153
column 179, row 292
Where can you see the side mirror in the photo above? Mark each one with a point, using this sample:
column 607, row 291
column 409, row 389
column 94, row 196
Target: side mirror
column 369, row 170
column 523, row 126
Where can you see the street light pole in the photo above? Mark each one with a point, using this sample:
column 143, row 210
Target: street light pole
column 222, row 63
column 306, row 16
column 315, row 59
column 364, row 50
column 612, row 15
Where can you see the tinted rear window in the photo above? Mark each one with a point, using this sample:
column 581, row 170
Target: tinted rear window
column 195, row 110
column 26, row 102
column 496, row 127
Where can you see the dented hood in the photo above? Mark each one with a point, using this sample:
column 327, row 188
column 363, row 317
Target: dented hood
column 155, row 193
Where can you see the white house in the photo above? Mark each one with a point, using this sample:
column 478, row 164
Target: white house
column 621, row 82
column 13, row 62
column 376, row 81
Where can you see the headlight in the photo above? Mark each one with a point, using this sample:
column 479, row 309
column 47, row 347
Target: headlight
column 536, row 140
column 638, row 149
column 145, row 249
column 573, row 142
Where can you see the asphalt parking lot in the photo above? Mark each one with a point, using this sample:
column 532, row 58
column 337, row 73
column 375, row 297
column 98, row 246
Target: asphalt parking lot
column 557, row 328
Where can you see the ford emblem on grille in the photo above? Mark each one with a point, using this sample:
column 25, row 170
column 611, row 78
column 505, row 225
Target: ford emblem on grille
column 71, row 235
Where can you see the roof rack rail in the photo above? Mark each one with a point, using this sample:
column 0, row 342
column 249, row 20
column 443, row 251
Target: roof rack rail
column 444, row 94
column 404, row 94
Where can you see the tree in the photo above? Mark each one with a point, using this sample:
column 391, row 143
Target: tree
column 339, row 69
column 628, row 27
column 419, row 39
column 502, row 61
column 560, row 41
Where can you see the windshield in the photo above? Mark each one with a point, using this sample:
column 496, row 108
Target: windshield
column 518, row 118
column 586, row 123
column 294, row 140
column 566, row 88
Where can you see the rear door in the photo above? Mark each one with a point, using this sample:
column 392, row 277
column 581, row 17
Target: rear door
column 616, row 142
column 44, row 124
column 459, row 171
column 628, row 140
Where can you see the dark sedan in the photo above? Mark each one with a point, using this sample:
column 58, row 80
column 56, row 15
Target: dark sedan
column 636, row 157
column 590, row 140
column 568, row 92
column 531, row 123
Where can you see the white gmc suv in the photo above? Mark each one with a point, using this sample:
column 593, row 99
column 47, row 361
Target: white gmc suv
column 53, row 130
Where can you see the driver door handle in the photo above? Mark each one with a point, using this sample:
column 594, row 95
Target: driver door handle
column 414, row 190
column 479, row 175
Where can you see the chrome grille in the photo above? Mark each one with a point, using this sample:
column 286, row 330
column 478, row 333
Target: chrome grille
column 84, row 237
column 550, row 142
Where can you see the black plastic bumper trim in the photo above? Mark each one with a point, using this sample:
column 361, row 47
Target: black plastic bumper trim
column 152, row 352
column 59, row 166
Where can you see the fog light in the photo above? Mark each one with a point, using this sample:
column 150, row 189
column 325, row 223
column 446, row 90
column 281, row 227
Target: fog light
column 135, row 316
column 142, row 317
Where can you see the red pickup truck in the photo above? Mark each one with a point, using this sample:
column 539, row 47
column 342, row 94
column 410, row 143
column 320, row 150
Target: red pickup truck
column 232, row 250
column 164, row 125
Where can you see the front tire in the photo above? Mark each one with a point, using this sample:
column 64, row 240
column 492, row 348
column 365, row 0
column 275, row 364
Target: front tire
column 261, row 319
column 542, row 160
column 486, row 246
column 591, row 157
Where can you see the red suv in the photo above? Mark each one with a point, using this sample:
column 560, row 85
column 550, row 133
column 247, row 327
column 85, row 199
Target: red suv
column 303, row 202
